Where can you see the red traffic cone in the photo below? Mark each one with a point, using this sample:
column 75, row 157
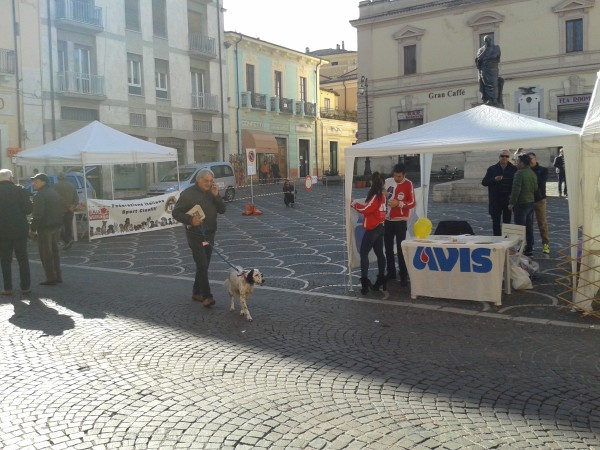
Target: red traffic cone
column 249, row 209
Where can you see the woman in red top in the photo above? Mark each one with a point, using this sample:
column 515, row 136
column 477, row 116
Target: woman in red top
column 373, row 211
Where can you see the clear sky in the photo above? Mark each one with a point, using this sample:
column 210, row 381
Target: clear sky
column 316, row 24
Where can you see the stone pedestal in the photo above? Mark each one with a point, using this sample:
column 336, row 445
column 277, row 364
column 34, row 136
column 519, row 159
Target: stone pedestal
column 469, row 189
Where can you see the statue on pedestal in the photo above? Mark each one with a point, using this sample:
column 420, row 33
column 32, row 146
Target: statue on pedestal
column 490, row 84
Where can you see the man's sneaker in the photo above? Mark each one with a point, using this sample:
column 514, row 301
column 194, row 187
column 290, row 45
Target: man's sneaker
column 546, row 249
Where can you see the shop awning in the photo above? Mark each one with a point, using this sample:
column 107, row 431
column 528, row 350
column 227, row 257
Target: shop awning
column 261, row 141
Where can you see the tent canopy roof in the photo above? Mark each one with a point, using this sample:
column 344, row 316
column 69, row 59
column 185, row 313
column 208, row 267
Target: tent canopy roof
column 97, row 144
column 477, row 129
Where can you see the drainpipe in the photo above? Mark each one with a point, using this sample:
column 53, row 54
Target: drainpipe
column 16, row 32
column 221, row 81
column 51, row 75
column 238, row 133
column 317, row 114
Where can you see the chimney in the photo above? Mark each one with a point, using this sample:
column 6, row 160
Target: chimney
column 343, row 46
column 307, row 50
column 337, row 46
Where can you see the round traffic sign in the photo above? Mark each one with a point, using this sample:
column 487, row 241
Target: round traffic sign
column 308, row 182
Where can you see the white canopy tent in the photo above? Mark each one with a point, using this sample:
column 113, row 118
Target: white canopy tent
column 486, row 128
column 94, row 145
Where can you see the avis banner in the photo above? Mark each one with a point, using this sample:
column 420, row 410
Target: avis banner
column 117, row 217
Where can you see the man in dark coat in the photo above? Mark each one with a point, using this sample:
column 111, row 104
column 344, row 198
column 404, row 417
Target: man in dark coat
column 47, row 222
column 15, row 205
column 498, row 179
column 197, row 208
column 559, row 164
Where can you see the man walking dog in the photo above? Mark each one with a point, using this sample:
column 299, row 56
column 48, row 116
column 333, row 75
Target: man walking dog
column 197, row 209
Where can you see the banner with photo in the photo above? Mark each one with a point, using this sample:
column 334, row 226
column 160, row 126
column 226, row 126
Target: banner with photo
column 117, row 217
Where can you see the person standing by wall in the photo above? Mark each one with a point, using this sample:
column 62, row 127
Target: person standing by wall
column 400, row 201
column 539, row 206
column 373, row 211
column 200, row 230
column 522, row 199
column 70, row 200
column 15, row 205
column 47, row 222
column 559, row 164
column 499, row 179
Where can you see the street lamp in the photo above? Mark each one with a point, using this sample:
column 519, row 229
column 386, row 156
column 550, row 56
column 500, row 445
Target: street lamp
column 363, row 89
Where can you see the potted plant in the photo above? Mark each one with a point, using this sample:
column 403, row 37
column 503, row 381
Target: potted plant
column 332, row 177
column 359, row 181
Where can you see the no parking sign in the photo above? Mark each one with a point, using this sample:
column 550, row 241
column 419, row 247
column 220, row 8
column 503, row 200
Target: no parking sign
column 251, row 161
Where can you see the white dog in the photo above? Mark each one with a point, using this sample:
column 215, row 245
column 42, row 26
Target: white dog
column 242, row 284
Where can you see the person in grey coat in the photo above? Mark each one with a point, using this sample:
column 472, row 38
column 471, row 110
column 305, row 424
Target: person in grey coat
column 197, row 209
column 15, row 205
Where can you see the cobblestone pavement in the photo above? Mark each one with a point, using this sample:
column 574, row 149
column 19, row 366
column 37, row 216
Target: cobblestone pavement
column 118, row 356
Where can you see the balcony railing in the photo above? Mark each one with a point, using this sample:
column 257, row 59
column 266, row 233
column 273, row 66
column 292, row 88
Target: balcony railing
column 286, row 105
column 205, row 101
column 338, row 114
column 300, row 108
column 310, row 109
column 76, row 11
column 254, row 100
column 204, row 45
column 81, row 83
column 8, row 61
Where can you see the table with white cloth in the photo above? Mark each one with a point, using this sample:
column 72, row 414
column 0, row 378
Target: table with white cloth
column 459, row 267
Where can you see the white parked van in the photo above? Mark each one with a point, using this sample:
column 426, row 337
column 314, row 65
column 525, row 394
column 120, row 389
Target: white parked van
column 224, row 179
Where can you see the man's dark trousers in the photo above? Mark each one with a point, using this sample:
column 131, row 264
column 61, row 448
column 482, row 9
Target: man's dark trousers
column 395, row 229
column 19, row 246
column 49, row 253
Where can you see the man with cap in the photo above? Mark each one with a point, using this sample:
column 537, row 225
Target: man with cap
column 47, row 222
column 14, row 230
column 70, row 200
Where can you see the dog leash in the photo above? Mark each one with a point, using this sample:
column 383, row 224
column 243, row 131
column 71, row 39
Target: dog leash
column 218, row 252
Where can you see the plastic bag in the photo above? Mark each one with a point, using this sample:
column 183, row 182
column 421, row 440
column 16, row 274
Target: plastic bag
column 519, row 278
column 529, row 265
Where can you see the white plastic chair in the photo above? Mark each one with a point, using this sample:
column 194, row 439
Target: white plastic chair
column 515, row 232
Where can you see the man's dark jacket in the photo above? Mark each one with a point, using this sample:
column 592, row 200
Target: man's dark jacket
column 15, row 205
column 499, row 191
column 210, row 204
column 47, row 210
column 542, row 177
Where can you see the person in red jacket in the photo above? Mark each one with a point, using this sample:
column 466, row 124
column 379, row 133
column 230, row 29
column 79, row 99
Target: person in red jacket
column 401, row 200
column 373, row 211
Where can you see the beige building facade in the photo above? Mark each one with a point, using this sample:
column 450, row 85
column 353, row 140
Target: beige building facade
column 277, row 107
column 151, row 69
column 419, row 59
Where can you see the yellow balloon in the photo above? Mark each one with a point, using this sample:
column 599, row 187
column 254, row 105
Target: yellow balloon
column 422, row 228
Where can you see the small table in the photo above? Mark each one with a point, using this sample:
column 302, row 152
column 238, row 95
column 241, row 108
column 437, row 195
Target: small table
column 459, row 267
